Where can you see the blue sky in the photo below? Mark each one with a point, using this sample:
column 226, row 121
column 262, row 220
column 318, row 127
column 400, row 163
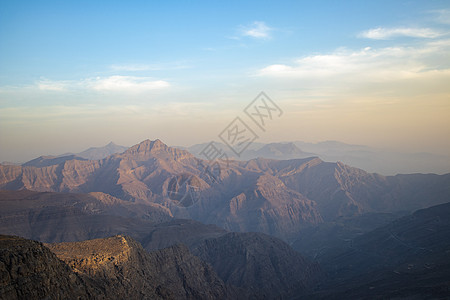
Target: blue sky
column 82, row 73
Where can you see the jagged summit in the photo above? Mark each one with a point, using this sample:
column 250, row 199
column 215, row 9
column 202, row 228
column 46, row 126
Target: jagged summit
column 147, row 146
column 148, row 149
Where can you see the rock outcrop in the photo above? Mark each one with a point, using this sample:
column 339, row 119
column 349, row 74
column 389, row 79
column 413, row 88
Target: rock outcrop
column 111, row 268
column 28, row 270
column 126, row 271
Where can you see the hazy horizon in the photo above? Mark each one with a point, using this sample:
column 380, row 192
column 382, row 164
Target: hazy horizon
column 78, row 75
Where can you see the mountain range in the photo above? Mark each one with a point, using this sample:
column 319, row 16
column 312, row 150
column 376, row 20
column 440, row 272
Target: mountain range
column 371, row 159
column 376, row 160
column 277, row 197
column 262, row 228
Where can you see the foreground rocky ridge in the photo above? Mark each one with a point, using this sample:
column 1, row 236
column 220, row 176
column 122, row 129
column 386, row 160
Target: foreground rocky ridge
column 119, row 268
column 29, row 270
column 126, row 271
column 110, row 268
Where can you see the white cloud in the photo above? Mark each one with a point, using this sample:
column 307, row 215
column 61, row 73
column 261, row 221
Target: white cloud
column 381, row 33
column 257, row 30
column 117, row 83
column 367, row 64
column 126, row 83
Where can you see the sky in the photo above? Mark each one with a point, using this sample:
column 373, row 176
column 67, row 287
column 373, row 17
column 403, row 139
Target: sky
column 76, row 74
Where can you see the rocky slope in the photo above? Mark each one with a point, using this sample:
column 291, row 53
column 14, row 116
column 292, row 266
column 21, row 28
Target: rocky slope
column 125, row 270
column 261, row 265
column 111, row 268
column 28, row 270
column 316, row 241
column 57, row 217
column 406, row 259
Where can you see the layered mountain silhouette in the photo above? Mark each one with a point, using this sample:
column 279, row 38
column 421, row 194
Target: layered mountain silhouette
column 255, row 150
column 271, row 196
column 157, row 222
column 408, row 258
column 371, row 159
column 94, row 153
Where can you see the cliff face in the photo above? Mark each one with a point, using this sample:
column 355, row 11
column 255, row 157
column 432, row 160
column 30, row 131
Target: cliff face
column 262, row 266
column 111, row 268
column 265, row 267
column 28, row 270
column 125, row 270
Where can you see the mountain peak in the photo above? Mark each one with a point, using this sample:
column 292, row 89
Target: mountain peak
column 156, row 148
column 148, row 146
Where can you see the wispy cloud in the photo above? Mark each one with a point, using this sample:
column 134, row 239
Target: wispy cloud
column 367, row 64
column 442, row 16
column 149, row 67
column 115, row 83
column 133, row 67
column 257, row 30
column 381, row 33
column 49, row 85
column 126, row 83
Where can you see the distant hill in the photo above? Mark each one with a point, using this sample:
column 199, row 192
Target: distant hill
column 377, row 160
column 370, row 159
column 45, row 161
column 95, row 153
column 277, row 151
column 255, row 150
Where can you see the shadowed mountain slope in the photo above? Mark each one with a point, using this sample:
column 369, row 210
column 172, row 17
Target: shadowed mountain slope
column 409, row 258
